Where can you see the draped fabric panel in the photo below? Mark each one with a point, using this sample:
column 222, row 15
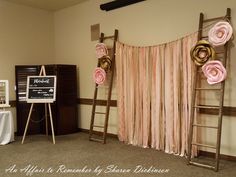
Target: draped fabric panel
column 154, row 94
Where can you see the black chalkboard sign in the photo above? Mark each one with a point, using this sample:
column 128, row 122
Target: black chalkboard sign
column 41, row 89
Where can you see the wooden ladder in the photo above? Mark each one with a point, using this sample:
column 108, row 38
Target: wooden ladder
column 197, row 89
column 108, row 100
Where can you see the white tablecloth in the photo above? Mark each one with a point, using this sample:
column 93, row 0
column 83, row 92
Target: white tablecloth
column 6, row 127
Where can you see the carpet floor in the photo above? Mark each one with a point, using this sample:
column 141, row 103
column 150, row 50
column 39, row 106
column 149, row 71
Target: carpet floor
column 73, row 155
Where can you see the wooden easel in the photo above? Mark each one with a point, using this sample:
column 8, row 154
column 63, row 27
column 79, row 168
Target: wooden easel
column 42, row 73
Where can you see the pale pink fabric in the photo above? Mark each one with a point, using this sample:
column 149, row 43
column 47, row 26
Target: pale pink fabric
column 101, row 50
column 99, row 75
column 154, row 86
column 187, row 76
column 172, row 96
column 214, row 71
column 157, row 98
column 220, row 33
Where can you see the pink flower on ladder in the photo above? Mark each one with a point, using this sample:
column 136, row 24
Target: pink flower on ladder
column 101, row 50
column 220, row 33
column 214, row 71
column 99, row 76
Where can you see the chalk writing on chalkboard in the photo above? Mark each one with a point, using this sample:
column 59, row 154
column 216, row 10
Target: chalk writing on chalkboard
column 41, row 89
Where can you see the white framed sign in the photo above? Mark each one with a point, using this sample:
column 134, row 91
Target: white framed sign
column 41, row 89
column 4, row 93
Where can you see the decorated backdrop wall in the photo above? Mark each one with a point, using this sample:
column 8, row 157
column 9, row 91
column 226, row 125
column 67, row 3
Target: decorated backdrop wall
column 143, row 24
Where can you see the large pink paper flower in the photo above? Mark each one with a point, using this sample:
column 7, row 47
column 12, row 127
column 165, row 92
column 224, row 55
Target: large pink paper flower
column 220, row 33
column 99, row 75
column 101, row 50
column 214, row 71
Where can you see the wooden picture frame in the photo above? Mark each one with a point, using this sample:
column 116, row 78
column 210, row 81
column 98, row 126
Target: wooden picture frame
column 4, row 94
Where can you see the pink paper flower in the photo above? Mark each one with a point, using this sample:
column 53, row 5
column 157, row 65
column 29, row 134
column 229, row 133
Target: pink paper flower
column 220, row 33
column 99, row 75
column 101, row 50
column 214, row 71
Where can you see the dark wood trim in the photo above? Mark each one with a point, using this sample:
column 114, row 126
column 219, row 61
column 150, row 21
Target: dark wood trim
column 222, row 156
column 227, row 111
column 12, row 103
column 89, row 101
column 86, row 101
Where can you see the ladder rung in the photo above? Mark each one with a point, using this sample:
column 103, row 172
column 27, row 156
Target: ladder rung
column 220, row 52
column 108, row 37
column 207, row 107
column 199, row 71
column 103, row 86
column 220, row 58
column 98, row 126
column 205, row 126
column 204, row 37
column 213, row 19
column 217, row 89
column 204, row 145
column 96, row 139
column 100, row 113
column 201, row 165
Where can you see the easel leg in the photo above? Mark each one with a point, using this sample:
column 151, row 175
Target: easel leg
column 27, row 123
column 46, row 118
column 50, row 113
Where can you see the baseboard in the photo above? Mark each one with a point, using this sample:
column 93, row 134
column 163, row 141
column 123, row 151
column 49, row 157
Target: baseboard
column 222, row 156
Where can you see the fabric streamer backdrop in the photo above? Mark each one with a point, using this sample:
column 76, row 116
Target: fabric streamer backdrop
column 154, row 94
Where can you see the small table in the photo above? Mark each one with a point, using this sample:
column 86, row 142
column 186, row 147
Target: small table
column 6, row 127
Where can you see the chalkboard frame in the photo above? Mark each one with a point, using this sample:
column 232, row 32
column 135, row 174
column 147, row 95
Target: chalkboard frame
column 45, row 99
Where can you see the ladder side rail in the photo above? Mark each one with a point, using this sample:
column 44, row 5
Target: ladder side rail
column 190, row 137
column 110, row 86
column 218, row 144
column 95, row 97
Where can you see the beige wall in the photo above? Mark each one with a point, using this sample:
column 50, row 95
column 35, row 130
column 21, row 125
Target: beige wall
column 147, row 23
column 26, row 37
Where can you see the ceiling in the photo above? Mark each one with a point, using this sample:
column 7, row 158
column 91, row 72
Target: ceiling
column 50, row 5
